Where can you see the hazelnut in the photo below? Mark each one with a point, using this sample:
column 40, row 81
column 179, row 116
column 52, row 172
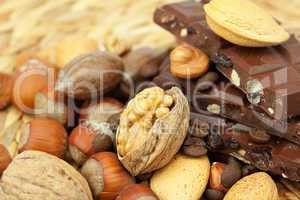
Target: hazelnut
column 89, row 138
column 101, row 111
column 73, row 46
column 43, row 134
column 105, row 175
column 188, row 62
column 5, row 158
column 152, row 122
column 30, row 57
column 90, row 75
column 216, row 172
column 49, row 103
column 32, row 78
column 137, row 192
column 6, row 87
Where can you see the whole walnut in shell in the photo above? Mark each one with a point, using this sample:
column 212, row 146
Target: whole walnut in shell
column 35, row 175
column 152, row 129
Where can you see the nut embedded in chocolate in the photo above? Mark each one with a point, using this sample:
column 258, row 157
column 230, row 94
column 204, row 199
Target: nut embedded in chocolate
column 254, row 91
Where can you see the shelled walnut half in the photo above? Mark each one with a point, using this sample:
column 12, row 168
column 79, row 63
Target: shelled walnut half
column 152, row 129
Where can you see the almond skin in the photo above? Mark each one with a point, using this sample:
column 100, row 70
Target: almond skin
column 255, row 186
column 183, row 178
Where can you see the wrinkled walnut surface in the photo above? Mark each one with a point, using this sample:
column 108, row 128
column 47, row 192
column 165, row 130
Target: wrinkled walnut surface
column 35, row 175
column 152, row 129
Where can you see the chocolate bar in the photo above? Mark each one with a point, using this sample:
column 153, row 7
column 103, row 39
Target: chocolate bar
column 225, row 100
column 277, row 156
column 270, row 77
column 187, row 21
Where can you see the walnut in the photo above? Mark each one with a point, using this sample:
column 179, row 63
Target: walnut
column 35, row 175
column 152, row 129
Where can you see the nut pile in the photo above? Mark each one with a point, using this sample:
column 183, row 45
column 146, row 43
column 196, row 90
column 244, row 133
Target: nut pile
column 92, row 124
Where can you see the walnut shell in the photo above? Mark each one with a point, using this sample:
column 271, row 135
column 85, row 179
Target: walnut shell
column 147, row 139
column 35, row 175
column 90, row 75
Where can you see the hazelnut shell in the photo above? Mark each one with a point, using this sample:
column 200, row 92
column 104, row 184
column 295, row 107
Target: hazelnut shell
column 43, row 134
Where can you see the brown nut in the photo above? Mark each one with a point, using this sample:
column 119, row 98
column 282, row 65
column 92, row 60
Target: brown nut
column 232, row 173
column 37, row 175
column 101, row 111
column 73, row 46
column 51, row 104
column 194, row 147
column 105, row 175
column 248, row 169
column 143, row 62
column 27, row 56
column 137, row 192
column 199, row 128
column 89, row 138
column 5, row 158
column 90, row 75
column 6, row 88
column 188, row 62
column 216, row 172
column 212, row 194
column 30, row 79
column 152, row 129
column 44, row 134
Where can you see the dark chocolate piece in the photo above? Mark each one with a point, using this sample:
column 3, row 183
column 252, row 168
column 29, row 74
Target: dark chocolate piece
column 186, row 21
column 225, row 100
column 270, row 77
column 278, row 156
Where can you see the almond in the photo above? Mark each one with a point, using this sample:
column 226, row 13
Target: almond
column 255, row 186
column 243, row 23
column 183, row 178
